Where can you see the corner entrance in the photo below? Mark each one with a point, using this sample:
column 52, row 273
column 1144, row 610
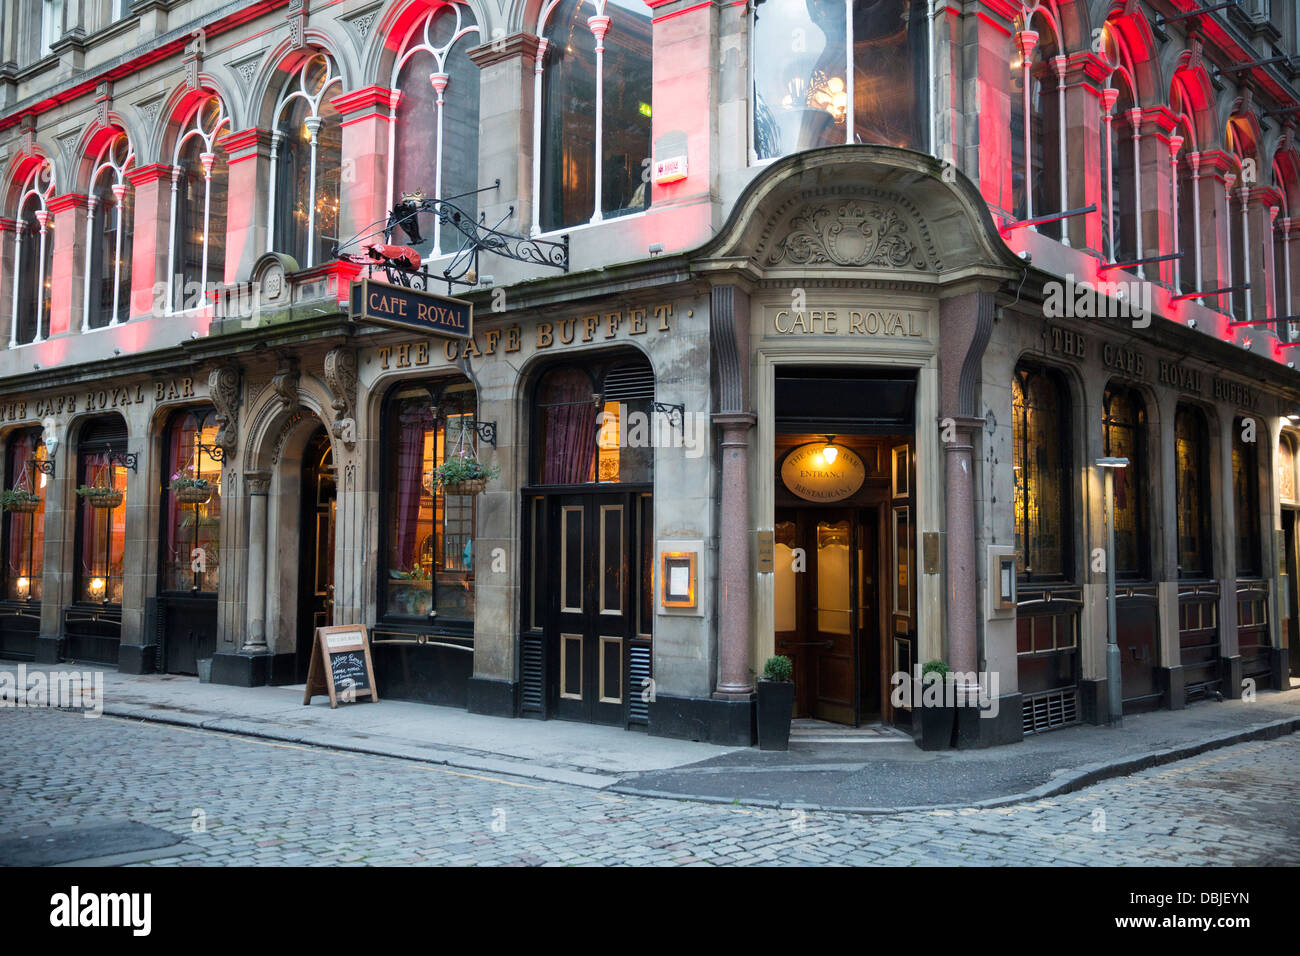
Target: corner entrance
column 316, row 564
column 843, row 533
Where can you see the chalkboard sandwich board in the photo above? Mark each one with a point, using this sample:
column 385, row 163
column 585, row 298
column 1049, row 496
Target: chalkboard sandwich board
column 340, row 665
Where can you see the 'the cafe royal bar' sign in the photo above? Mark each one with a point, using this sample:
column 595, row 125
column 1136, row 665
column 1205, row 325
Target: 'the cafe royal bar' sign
column 409, row 309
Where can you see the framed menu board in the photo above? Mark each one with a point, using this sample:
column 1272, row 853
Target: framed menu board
column 340, row 666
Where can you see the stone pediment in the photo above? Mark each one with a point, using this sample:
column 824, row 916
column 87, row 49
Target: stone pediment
column 847, row 227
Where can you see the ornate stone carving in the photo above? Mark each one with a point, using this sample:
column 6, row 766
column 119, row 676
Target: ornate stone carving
column 247, row 68
column 258, row 482
column 193, row 59
column 341, row 377
column 104, row 102
column 223, row 386
column 848, row 233
column 285, row 383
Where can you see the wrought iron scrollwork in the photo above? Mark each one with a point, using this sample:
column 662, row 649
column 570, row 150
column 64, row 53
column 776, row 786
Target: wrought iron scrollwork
column 486, row 431
column 127, row 459
column 476, row 236
column 44, row 465
column 676, row 413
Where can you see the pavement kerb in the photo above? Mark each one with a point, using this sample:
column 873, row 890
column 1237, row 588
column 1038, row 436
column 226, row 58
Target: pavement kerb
column 1076, row 780
column 1084, row 776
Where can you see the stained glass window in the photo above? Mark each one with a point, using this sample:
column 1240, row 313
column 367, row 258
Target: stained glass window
column 1245, row 496
column 1123, row 436
column 1041, row 476
column 1192, row 492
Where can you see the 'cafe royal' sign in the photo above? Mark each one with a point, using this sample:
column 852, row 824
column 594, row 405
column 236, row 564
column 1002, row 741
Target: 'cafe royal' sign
column 848, row 322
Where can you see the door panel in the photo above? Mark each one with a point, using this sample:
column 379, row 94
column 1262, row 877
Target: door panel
column 592, row 606
column 316, row 574
column 834, row 571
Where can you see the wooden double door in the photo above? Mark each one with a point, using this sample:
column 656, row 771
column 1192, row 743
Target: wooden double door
column 316, row 565
column 827, row 609
column 590, row 568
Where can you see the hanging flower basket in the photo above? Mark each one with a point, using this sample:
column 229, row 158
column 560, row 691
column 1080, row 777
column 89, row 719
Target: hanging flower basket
column 20, row 500
column 193, row 495
column 464, row 474
column 101, row 498
column 191, row 491
column 471, row 486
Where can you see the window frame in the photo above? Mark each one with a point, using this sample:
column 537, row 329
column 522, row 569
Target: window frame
column 1136, row 472
column 179, row 220
column 35, row 557
column 1253, row 544
column 1026, row 371
column 93, row 315
column 1205, row 529
column 112, row 446
column 434, row 623
column 204, row 414
column 33, row 190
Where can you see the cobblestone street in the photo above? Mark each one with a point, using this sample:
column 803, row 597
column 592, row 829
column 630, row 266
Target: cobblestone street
column 267, row 803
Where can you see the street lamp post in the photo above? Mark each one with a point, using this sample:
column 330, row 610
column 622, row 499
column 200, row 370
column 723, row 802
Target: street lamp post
column 1114, row 692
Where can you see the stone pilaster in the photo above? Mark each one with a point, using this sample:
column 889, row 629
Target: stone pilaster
column 507, row 102
column 248, row 159
column 68, row 265
column 151, row 229
column 367, row 115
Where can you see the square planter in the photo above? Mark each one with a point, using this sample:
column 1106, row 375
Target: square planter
column 775, row 709
column 937, row 725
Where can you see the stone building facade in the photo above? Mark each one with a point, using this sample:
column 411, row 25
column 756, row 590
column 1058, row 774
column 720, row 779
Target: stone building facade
column 818, row 319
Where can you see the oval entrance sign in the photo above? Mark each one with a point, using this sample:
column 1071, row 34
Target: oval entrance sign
column 808, row 474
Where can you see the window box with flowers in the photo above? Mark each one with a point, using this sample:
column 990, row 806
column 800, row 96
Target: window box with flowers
column 104, row 499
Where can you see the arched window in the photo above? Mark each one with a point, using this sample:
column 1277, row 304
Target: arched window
column 435, row 118
column 101, row 517
column 1245, row 497
column 1120, row 227
column 809, row 93
column 591, row 133
column 24, row 520
column 1187, row 205
column 1123, row 419
column 1192, row 490
column 1041, row 466
column 191, row 503
column 200, row 180
column 595, row 429
column 1037, row 134
column 1240, row 144
column 110, row 224
column 428, row 547
column 306, row 163
column 33, row 259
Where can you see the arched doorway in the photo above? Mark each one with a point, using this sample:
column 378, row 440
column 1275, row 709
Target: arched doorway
column 316, row 567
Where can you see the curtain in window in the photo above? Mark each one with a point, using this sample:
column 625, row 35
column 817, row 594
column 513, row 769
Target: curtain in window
column 1245, row 496
column 26, row 532
column 103, row 533
column 1193, row 501
column 1122, row 419
column 568, row 427
column 190, row 526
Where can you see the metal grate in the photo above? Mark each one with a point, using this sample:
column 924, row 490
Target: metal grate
column 532, row 678
column 638, row 672
column 1057, row 708
column 629, row 382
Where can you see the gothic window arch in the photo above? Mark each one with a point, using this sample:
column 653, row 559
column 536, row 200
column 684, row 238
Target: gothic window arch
column 200, row 181
column 1122, row 200
column 591, row 112
column 33, row 258
column 1041, row 468
column 1245, row 177
column 110, row 225
column 306, row 163
column 1037, row 131
column 830, row 72
column 435, row 118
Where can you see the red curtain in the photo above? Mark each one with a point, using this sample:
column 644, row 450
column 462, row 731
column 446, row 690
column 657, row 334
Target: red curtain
column 569, row 429
column 413, row 420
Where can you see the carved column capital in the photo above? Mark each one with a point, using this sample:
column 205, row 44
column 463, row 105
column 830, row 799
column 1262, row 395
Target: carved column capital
column 224, row 389
column 341, row 377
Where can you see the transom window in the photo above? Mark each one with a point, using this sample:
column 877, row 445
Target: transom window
column 596, row 425
column 809, row 91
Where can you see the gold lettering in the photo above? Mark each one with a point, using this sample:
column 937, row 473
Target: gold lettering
column 828, row 323
column 662, row 312
column 566, row 331
column 404, row 355
column 799, row 322
column 421, row 353
column 512, row 339
column 911, row 325
column 471, row 349
column 590, row 321
column 856, row 323
column 544, row 336
column 776, row 321
column 384, row 353
column 449, row 350
column 612, row 321
column 493, row 336
column 158, row 391
column 638, row 321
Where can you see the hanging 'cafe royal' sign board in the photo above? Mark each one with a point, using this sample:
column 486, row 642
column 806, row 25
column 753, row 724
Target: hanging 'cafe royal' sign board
column 402, row 308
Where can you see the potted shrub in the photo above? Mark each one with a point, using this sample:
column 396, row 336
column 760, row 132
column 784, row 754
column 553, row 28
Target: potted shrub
column 463, row 474
column 191, row 491
column 100, row 497
column 937, row 719
column 20, row 500
column 775, row 703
